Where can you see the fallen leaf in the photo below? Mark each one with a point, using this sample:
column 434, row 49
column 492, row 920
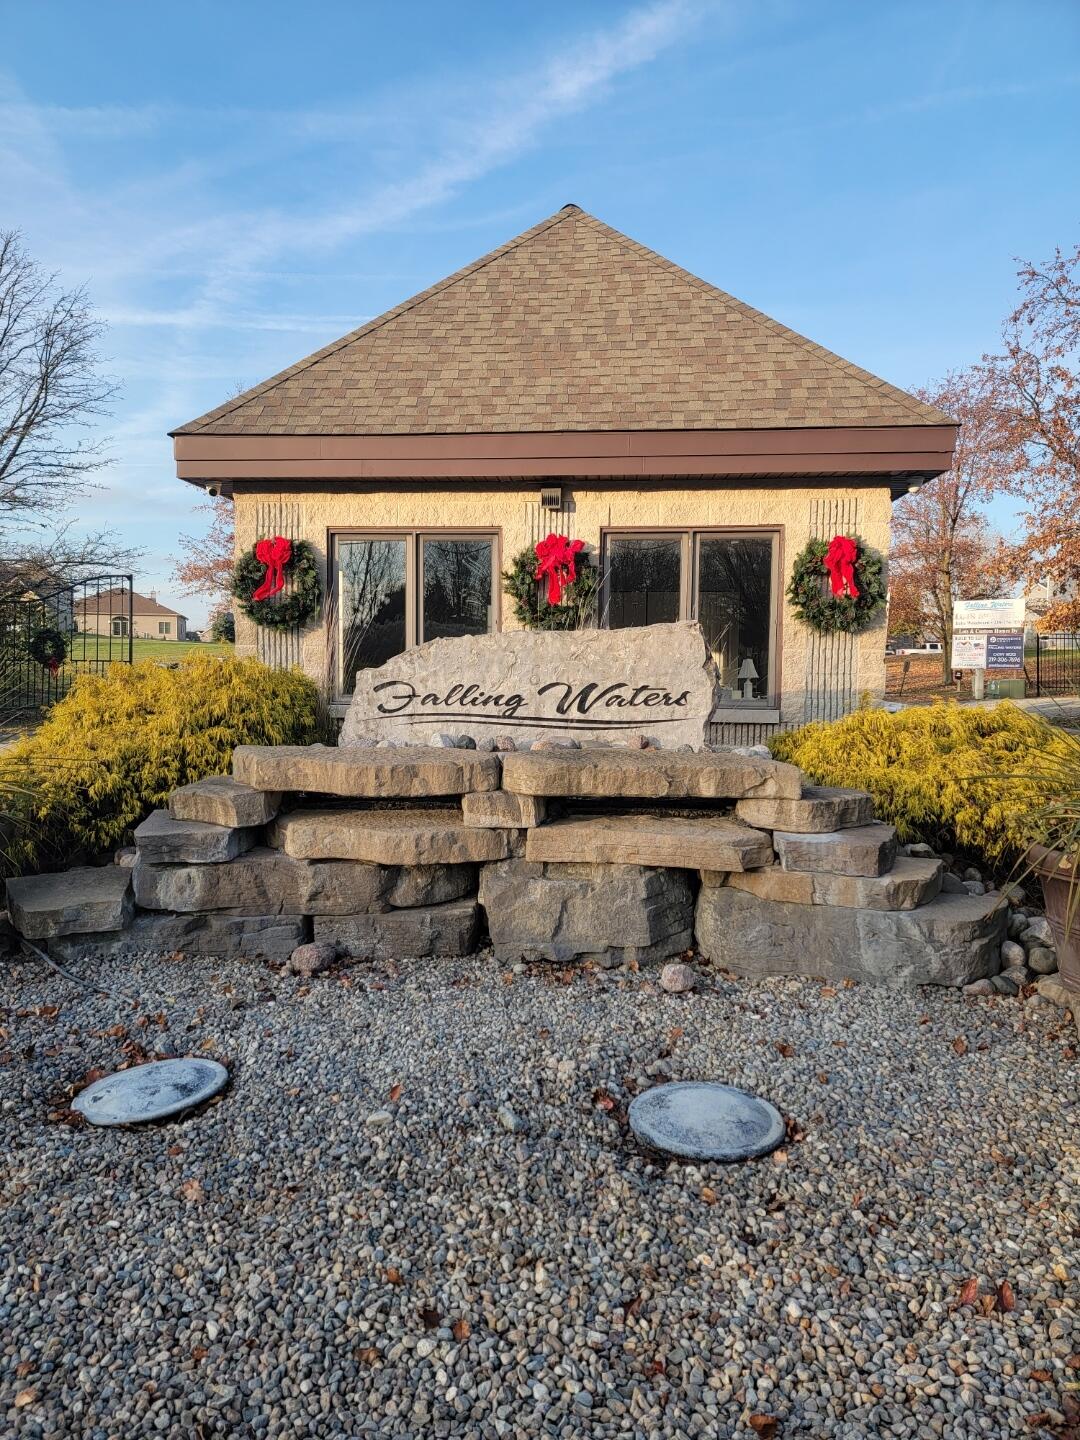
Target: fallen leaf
column 656, row 1367
column 25, row 1397
column 393, row 1275
column 430, row 1318
column 840, row 1044
column 709, row 1195
column 675, row 1033
column 849, row 984
column 200, row 1352
column 779, row 1157
column 632, row 1307
column 828, row 991
column 1060, row 1273
column 207, row 1044
column 461, row 1330
column 969, row 1291
column 175, row 1150
column 923, row 1020
column 987, row 1303
column 1073, row 1361
column 1042, row 1376
column 1036, row 1422
column 960, row 1045
column 603, row 1101
column 368, row 1355
column 395, row 1093
column 23, row 1368
column 192, row 1191
column 507, row 977
column 1006, row 1300
column 823, row 1076
column 999, row 1157
column 765, row 1425
column 786, row 1050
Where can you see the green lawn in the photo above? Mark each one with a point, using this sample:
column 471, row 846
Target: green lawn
column 90, row 647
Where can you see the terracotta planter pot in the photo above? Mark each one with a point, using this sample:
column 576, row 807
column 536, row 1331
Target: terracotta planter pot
column 1058, row 876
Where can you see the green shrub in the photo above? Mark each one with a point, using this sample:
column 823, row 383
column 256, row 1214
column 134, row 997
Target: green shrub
column 960, row 777
column 115, row 747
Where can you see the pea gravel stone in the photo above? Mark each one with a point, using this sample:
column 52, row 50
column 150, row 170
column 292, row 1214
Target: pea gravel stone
column 274, row 1266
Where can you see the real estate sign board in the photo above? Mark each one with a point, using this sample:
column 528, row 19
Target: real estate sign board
column 988, row 634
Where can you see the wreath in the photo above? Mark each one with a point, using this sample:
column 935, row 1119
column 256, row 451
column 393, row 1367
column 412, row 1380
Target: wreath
column 48, row 646
column 576, row 605
column 837, row 585
column 259, row 578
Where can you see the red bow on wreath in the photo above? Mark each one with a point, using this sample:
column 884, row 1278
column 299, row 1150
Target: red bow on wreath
column 840, row 562
column 275, row 554
column 556, row 557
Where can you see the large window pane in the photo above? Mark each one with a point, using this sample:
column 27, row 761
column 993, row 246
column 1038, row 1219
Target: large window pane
column 371, row 601
column 735, row 608
column 644, row 580
column 457, row 588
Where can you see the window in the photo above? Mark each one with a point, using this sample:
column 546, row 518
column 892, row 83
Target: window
column 164, row 627
column 725, row 580
column 120, row 625
column 394, row 591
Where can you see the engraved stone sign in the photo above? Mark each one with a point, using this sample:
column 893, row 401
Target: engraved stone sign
column 653, row 680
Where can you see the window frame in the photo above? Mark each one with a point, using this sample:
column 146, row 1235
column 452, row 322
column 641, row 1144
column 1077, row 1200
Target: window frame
column 414, row 537
column 690, row 562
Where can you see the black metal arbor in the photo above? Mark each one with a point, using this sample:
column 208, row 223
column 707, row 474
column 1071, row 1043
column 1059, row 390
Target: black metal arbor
column 50, row 636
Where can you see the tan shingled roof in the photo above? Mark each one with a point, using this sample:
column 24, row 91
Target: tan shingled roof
column 115, row 602
column 571, row 326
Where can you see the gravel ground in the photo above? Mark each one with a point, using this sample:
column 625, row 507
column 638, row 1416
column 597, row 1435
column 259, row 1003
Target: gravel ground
column 417, row 1211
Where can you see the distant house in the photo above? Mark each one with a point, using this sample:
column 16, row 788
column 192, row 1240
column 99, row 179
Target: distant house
column 107, row 614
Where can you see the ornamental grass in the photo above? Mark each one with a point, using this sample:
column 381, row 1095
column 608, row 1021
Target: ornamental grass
column 117, row 744
column 959, row 777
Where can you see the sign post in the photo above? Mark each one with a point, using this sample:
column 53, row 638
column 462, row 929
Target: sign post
column 987, row 635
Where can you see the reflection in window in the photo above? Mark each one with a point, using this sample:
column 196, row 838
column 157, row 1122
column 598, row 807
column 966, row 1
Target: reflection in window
column 734, row 607
column 457, row 588
column 644, row 581
column 371, row 600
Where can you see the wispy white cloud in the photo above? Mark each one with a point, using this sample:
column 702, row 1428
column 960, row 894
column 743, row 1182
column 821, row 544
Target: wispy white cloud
column 176, row 265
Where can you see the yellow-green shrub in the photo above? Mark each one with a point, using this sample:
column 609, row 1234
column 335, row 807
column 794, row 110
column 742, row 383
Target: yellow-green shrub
column 113, row 749
column 961, row 776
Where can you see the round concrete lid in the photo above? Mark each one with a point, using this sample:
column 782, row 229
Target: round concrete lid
column 150, row 1092
column 703, row 1120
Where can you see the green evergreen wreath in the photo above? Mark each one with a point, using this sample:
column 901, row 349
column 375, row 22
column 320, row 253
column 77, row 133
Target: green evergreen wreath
column 281, row 611
column 531, row 609
column 816, row 605
column 48, row 646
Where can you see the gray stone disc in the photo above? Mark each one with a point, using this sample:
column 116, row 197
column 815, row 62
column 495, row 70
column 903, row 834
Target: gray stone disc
column 703, row 1120
column 150, row 1092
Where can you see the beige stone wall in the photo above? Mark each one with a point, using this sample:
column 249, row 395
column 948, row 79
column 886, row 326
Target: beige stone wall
column 818, row 678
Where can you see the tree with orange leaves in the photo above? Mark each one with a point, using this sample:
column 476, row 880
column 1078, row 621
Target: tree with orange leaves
column 1041, row 373
column 208, row 559
column 943, row 546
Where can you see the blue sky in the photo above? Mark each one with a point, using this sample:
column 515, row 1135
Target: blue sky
column 238, row 183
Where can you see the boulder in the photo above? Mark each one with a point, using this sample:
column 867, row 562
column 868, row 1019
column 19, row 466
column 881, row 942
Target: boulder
column 951, row 941
column 266, row 882
column 397, row 772
column 657, row 680
column 909, row 884
column 1042, row 959
column 821, row 808
column 648, row 775
column 398, row 934
column 1053, row 988
column 862, row 850
column 311, row 959
column 388, row 837
column 163, row 840
column 564, row 912
column 70, row 902
column 221, row 800
column 694, row 842
column 226, row 937
column 677, row 979
column 499, row 810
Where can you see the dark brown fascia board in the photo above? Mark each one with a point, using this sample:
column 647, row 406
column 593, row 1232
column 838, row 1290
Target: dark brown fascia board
column 883, row 451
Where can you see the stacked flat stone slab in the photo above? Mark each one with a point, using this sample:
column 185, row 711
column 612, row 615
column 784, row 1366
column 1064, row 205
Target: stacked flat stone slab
column 602, row 854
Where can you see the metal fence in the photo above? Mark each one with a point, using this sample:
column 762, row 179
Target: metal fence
column 1055, row 665
column 50, row 637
